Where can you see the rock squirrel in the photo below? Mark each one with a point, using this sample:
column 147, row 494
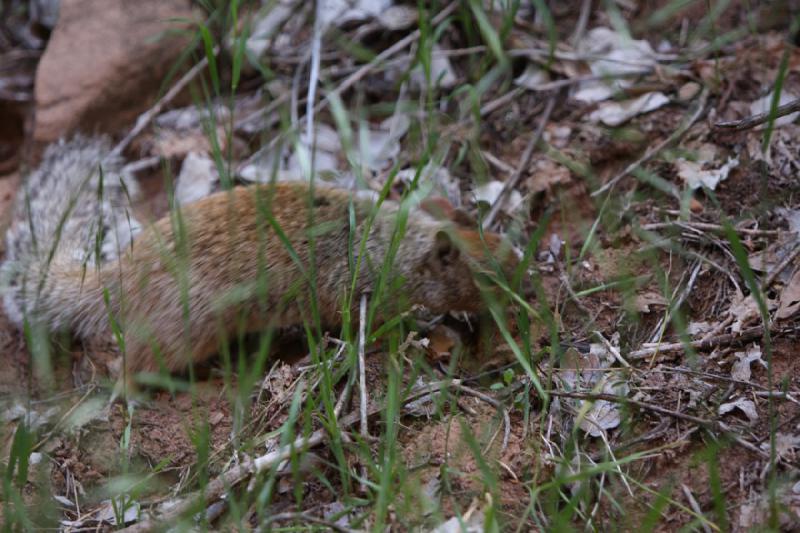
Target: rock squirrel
column 236, row 260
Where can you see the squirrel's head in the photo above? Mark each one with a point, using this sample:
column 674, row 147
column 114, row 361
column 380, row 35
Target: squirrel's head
column 461, row 268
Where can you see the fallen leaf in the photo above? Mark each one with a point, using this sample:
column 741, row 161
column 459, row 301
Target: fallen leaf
column 613, row 55
column 645, row 300
column 379, row 147
column 763, row 105
column 473, row 524
column 604, row 415
column 268, row 26
column 791, row 216
column 745, row 406
column 532, row 77
column 398, row 17
column 196, row 179
column 789, row 300
column 490, row 192
column 786, row 444
column 616, row 113
column 743, row 309
column 442, row 341
column 695, row 176
column 697, row 328
column 741, row 368
column 546, row 174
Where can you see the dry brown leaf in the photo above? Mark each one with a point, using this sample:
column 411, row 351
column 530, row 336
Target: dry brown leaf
column 745, row 406
column 645, row 300
column 546, row 174
column 741, row 368
column 442, row 341
column 789, row 301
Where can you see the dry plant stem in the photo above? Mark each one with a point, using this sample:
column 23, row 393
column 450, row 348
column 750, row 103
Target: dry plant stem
column 694, row 505
column 500, row 101
column 571, row 292
column 583, row 19
column 306, row 519
column 717, row 340
column 146, row 117
column 141, row 164
column 218, row 486
column 501, row 165
column 313, row 76
column 354, row 78
column 491, row 401
column 614, row 351
column 362, row 382
column 513, row 180
column 760, row 118
column 680, row 132
column 710, row 227
column 707, row 424
column 780, row 267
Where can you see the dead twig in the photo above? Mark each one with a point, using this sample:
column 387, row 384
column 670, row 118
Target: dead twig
column 220, row 485
column 351, row 80
column 695, row 506
column 705, row 226
column 513, row 180
column 712, row 425
column 148, row 116
column 491, row 401
column 680, row 132
column 612, row 349
column 760, row 118
column 306, row 519
column 702, row 344
column 780, row 267
column 362, row 382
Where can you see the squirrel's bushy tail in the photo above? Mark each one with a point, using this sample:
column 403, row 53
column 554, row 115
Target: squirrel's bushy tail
column 71, row 215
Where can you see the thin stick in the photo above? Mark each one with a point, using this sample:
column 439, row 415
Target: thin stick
column 680, row 132
column 760, row 118
column 147, row 117
column 362, row 382
column 355, row 77
column 710, row 227
column 611, row 348
column 313, row 77
column 695, row 506
column 580, row 26
column 513, row 180
column 781, row 266
column 396, row 47
column 702, row 344
column 220, row 485
column 491, row 401
column 707, row 424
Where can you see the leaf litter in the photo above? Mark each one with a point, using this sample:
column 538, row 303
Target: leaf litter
column 701, row 368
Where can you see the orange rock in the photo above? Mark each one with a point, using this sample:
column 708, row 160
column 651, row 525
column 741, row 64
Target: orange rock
column 104, row 64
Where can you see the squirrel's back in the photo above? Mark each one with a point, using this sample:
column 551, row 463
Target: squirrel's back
column 254, row 257
column 72, row 210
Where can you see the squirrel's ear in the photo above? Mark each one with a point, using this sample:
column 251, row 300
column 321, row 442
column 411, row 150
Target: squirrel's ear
column 445, row 252
column 463, row 218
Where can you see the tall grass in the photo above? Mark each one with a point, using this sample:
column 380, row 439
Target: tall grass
column 571, row 482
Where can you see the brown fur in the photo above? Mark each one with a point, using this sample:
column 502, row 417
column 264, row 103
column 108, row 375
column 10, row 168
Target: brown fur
column 176, row 294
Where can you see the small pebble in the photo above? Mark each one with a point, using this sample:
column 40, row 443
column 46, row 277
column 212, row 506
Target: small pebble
column 688, row 91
